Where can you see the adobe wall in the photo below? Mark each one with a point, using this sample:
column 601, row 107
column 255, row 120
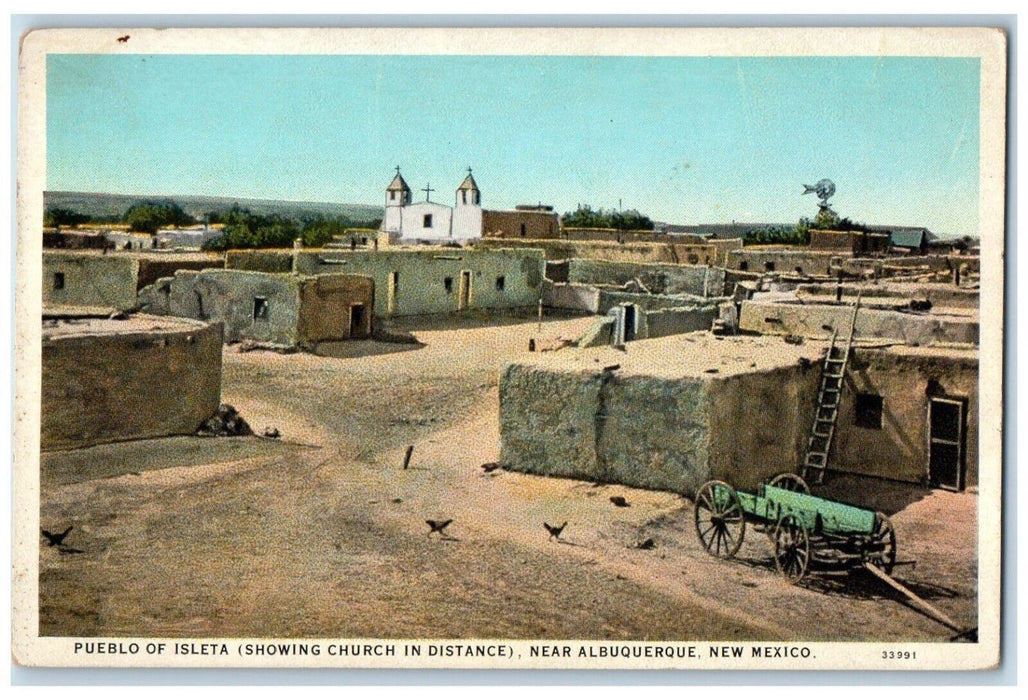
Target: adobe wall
column 674, row 253
column 754, row 259
column 663, row 322
column 326, row 303
column 658, row 279
column 259, row 260
column 508, row 224
column 639, row 431
column 228, row 296
column 100, row 388
column 548, row 421
column 153, row 268
column 808, row 320
column 107, row 281
column 939, row 294
column 759, row 423
column 654, row 433
column 903, row 377
column 422, row 279
column 646, row 302
column 571, row 297
column 653, row 429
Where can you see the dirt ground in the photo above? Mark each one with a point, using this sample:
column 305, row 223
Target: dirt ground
column 323, row 534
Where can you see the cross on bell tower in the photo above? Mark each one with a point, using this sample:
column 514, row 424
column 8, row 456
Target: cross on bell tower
column 428, row 190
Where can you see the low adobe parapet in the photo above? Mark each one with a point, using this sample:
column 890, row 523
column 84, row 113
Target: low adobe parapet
column 818, row 320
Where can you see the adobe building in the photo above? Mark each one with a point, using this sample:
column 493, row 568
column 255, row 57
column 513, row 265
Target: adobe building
column 421, row 280
column 279, row 309
column 535, row 222
column 674, row 412
column 892, row 322
column 852, row 243
column 99, row 280
column 407, row 221
column 107, row 380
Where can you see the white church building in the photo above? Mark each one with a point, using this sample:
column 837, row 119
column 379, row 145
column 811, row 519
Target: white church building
column 431, row 222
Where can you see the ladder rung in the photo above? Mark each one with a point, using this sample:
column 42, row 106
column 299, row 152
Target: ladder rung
column 833, row 375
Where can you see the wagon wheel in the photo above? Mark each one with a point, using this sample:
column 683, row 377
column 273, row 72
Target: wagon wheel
column 720, row 523
column 792, row 548
column 881, row 545
column 790, row 482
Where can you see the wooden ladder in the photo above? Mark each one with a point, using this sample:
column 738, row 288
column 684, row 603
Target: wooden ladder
column 819, row 444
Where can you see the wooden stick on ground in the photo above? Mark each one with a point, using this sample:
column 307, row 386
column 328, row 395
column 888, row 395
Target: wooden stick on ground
column 406, row 456
column 918, row 602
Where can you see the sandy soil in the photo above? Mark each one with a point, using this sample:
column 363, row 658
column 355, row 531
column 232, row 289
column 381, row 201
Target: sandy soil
column 323, row 533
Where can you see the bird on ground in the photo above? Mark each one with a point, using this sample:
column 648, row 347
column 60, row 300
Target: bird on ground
column 490, row 467
column 123, row 39
column 438, row 526
column 619, row 501
column 555, row 530
column 58, row 539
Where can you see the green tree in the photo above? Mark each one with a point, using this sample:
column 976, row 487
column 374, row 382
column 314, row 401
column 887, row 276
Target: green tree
column 627, row 220
column 150, row 216
column 55, row 217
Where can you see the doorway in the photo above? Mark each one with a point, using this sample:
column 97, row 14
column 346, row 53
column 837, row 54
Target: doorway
column 394, row 284
column 946, row 421
column 357, row 321
column 629, row 322
column 464, row 293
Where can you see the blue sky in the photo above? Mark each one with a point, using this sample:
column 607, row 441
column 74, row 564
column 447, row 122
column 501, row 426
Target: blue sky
column 685, row 140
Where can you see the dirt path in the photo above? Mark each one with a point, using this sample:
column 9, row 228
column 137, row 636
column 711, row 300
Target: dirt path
column 326, row 536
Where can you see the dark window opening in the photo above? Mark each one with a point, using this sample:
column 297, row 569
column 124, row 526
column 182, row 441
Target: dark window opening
column 58, row 280
column 799, row 270
column 448, row 284
column 744, row 266
column 501, row 282
column 392, row 196
column 463, row 197
column 693, row 258
column 868, row 411
column 769, row 266
column 428, row 221
column 522, row 230
column 477, row 198
column 260, row 309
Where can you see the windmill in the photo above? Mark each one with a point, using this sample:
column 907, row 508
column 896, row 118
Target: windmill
column 824, row 189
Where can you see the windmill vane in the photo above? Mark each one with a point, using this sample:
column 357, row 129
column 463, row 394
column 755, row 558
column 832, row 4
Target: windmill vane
column 824, row 189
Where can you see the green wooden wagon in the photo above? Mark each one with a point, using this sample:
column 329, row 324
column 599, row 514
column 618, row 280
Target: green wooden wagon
column 804, row 529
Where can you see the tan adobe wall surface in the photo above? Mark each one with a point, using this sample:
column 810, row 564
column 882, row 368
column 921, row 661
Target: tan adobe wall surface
column 100, row 388
column 328, row 305
column 508, row 224
column 901, row 376
column 105, row 281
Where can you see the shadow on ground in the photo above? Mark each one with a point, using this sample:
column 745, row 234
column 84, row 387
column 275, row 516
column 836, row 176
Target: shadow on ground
column 137, row 456
column 362, row 348
column 872, row 493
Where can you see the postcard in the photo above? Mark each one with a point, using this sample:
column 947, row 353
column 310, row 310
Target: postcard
column 510, row 348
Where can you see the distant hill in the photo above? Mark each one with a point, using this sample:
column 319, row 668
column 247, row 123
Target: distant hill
column 101, row 205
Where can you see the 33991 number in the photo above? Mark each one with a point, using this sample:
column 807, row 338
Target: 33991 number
column 899, row 655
